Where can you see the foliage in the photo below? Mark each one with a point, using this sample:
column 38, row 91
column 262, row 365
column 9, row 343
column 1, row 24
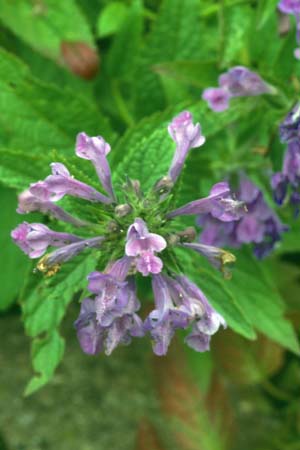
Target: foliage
column 156, row 58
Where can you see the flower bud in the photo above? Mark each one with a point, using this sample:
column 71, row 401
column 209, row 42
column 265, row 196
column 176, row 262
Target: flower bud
column 81, row 59
column 123, row 210
column 164, row 185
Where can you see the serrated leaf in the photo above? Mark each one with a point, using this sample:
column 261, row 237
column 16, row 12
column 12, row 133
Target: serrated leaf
column 44, row 25
column 261, row 301
column 170, row 39
column 14, row 262
column 45, row 307
column 46, row 355
column 38, row 116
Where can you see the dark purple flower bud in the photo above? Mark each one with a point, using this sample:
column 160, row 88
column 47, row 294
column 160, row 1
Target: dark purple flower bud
column 96, row 150
column 216, row 256
column 61, row 183
column 217, row 98
column 289, row 6
column 186, row 135
column 34, row 238
column 29, row 203
column 219, row 204
column 289, row 129
column 63, row 254
column 90, row 334
column 240, row 81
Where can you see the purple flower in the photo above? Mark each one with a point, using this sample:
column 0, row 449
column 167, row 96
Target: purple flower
column 180, row 303
column 217, row 98
column 239, row 81
column 142, row 245
column 93, row 336
column 286, row 184
column 289, row 129
column 53, row 260
column 61, row 183
column 112, row 294
column 96, row 149
column 289, row 6
column 30, row 203
column 260, row 226
column 127, row 245
column 186, row 135
column 35, row 238
column 219, row 204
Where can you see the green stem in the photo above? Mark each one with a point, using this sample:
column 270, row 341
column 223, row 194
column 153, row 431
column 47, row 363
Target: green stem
column 275, row 392
column 121, row 104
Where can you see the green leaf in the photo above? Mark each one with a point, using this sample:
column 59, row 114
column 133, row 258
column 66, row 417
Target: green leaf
column 45, row 307
column 261, row 301
column 265, row 9
column 194, row 73
column 44, row 25
column 236, row 36
column 173, row 37
column 122, row 57
column 111, row 18
column 39, row 117
column 46, row 355
column 43, row 311
column 146, row 150
column 15, row 263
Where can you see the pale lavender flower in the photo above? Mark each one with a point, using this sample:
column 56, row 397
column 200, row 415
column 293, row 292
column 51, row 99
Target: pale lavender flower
column 289, row 6
column 35, row 238
column 217, row 98
column 142, row 245
column 242, row 82
column 238, row 81
column 30, row 203
column 96, row 149
column 64, row 254
column 186, row 135
column 93, row 336
column 61, row 183
column 179, row 303
column 220, row 204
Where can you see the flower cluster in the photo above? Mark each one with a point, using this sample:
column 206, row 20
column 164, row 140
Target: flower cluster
column 260, row 226
column 137, row 237
column 292, row 7
column 286, row 183
column 237, row 82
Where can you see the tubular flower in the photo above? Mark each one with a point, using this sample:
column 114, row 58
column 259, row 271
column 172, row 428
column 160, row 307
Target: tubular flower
column 292, row 7
column 286, row 184
column 260, row 226
column 237, row 82
column 135, row 235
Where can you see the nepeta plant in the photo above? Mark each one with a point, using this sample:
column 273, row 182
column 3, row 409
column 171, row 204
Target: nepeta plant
column 139, row 235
